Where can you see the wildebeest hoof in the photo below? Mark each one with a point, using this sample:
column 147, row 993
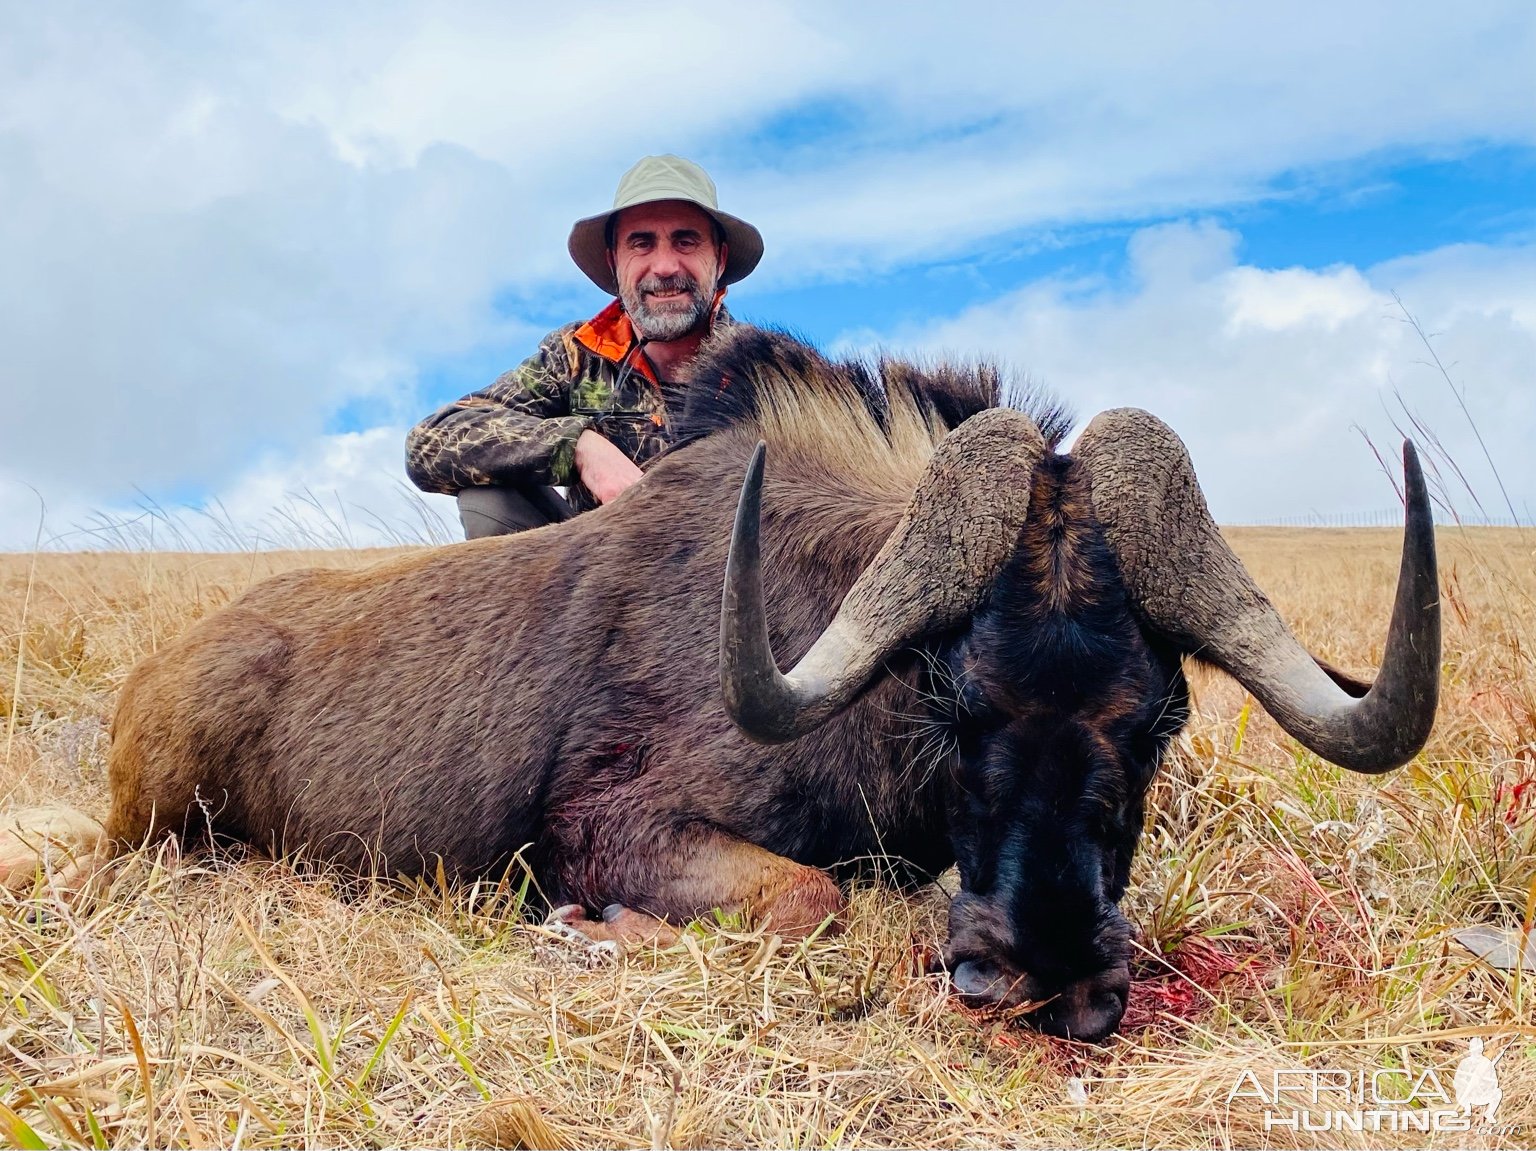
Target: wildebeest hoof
column 565, row 923
column 619, row 926
column 561, row 921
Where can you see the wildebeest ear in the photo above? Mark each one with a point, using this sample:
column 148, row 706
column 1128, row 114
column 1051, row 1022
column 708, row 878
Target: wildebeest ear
column 1357, row 688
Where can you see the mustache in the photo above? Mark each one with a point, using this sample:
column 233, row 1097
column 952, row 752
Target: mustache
column 678, row 282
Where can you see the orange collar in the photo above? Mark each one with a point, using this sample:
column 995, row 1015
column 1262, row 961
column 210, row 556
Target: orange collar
column 611, row 335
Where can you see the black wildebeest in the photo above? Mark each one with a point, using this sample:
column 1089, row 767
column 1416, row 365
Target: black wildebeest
column 933, row 567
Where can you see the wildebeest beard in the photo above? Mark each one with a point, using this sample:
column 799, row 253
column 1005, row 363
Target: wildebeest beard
column 671, row 323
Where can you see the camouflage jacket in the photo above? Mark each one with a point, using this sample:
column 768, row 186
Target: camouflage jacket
column 522, row 430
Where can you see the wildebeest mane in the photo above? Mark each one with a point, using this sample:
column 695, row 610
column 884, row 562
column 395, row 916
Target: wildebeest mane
column 746, row 374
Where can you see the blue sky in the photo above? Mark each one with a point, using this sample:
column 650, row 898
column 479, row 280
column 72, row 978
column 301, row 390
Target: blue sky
column 1372, row 210
column 241, row 250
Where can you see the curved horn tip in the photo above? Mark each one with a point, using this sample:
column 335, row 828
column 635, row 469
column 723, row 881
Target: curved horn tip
column 1410, row 672
column 749, row 501
column 1419, row 516
column 754, row 691
column 1413, row 470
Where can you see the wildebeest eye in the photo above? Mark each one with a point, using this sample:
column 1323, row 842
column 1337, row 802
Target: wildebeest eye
column 976, row 731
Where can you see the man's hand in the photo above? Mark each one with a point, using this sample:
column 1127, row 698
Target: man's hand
column 604, row 469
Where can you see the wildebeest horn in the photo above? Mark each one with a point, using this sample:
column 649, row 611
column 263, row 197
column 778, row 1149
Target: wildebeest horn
column 1189, row 586
column 958, row 529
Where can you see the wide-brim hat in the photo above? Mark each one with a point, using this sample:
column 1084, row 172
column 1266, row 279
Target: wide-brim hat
column 663, row 178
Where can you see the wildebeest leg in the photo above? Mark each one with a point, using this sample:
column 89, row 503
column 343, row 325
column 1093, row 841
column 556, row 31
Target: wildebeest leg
column 180, row 720
column 57, row 841
column 679, row 875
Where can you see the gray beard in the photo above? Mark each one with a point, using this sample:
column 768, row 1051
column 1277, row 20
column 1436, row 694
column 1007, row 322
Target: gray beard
column 672, row 323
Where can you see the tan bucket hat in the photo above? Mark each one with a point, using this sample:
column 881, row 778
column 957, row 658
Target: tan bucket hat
column 663, row 178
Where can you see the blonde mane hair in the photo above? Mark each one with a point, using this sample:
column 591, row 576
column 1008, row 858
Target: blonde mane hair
column 851, row 427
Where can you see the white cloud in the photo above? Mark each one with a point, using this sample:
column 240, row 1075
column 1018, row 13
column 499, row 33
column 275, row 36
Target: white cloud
column 1270, row 376
column 221, row 226
column 148, row 346
column 343, row 490
column 1290, row 298
column 983, row 121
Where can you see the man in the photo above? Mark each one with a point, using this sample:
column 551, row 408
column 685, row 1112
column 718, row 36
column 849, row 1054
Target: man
column 590, row 406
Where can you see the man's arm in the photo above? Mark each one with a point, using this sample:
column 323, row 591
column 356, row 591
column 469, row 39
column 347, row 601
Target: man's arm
column 519, row 431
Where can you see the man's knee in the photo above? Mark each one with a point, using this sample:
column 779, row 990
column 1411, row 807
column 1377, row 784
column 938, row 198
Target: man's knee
column 501, row 511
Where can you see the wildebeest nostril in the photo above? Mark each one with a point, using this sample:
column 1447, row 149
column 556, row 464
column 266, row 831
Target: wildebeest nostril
column 1087, row 1011
column 982, row 980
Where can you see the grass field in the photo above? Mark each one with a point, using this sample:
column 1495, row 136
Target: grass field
column 1292, row 916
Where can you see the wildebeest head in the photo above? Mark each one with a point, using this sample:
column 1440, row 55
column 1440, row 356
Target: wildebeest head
column 1055, row 597
column 1060, row 708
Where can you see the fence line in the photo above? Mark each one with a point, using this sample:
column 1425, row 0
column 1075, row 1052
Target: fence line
column 1378, row 518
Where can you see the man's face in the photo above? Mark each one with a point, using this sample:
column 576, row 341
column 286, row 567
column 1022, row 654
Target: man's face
column 667, row 264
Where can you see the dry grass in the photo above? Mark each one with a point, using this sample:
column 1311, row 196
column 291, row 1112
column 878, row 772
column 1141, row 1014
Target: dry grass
column 1292, row 916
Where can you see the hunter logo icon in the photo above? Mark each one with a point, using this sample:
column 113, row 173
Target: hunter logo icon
column 1477, row 1081
column 1318, row 1100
